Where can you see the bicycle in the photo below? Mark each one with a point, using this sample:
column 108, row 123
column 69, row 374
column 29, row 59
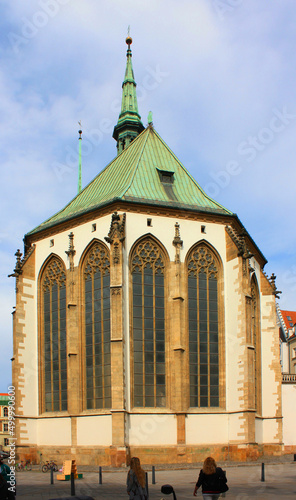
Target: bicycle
column 24, row 465
column 48, row 465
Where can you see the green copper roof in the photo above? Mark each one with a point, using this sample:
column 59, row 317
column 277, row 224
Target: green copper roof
column 147, row 172
column 4, row 398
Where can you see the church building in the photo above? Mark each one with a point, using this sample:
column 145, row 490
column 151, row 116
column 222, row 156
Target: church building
column 144, row 323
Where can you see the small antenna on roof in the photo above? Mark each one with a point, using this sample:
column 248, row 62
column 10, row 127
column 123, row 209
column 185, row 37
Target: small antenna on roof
column 150, row 119
column 79, row 163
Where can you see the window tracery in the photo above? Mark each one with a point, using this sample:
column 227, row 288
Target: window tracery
column 203, row 270
column 96, row 274
column 54, row 336
column 255, row 340
column 148, row 325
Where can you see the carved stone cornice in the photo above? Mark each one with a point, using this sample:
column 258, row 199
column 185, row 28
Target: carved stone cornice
column 116, row 290
column 18, row 266
column 29, row 249
column 248, row 299
column 21, row 261
column 234, row 236
column 71, row 251
column 117, row 228
column 18, row 270
column 178, row 243
column 239, row 240
column 274, row 289
column 116, row 253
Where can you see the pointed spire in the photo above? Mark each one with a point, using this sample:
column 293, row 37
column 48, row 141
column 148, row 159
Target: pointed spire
column 129, row 123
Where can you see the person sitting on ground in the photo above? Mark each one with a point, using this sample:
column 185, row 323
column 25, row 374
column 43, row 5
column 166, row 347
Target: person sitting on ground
column 212, row 479
column 136, row 481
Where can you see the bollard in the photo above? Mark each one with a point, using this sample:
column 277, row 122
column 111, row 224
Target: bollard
column 51, row 475
column 72, row 484
column 146, row 476
column 262, row 472
column 153, row 474
column 294, row 457
column 100, row 475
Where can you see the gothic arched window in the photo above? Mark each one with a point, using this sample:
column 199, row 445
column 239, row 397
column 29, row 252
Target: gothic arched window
column 96, row 283
column 148, row 325
column 202, row 271
column 54, row 343
column 255, row 340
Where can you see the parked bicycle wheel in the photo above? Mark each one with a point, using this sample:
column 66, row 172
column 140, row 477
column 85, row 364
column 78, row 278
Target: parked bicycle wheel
column 44, row 468
column 19, row 467
column 29, row 466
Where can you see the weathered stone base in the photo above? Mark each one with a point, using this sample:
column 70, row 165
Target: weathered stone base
column 193, row 454
column 289, row 449
column 83, row 455
column 120, row 456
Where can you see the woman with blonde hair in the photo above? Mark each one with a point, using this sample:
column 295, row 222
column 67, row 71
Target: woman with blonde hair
column 136, row 481
column 212, row 479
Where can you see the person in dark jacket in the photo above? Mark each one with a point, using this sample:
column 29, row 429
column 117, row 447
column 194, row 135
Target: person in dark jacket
column 6, row 490
column 212, row 479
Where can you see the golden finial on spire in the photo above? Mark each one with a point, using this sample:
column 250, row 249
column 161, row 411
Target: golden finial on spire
column 129, row 39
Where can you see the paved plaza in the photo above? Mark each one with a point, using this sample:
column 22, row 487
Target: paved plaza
column 244, row 482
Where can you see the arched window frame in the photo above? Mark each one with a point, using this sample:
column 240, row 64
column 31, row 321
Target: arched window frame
column 48, row 274
column 106, row 398
column 5, row 411
column 256, row 342
column 221, row 327
column 164, row 401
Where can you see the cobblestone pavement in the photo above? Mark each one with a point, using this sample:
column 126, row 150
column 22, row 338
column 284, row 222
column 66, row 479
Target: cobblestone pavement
column 244, row 483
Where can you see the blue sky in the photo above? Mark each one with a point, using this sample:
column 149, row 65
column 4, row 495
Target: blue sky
column 219, row 76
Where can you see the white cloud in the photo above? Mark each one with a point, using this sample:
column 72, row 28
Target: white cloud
column 224, row 76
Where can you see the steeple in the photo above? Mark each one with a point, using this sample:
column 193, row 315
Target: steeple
column 129, row 124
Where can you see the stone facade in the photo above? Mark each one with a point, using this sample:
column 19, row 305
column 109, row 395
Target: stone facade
column 248, row 421
column 144, row 323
